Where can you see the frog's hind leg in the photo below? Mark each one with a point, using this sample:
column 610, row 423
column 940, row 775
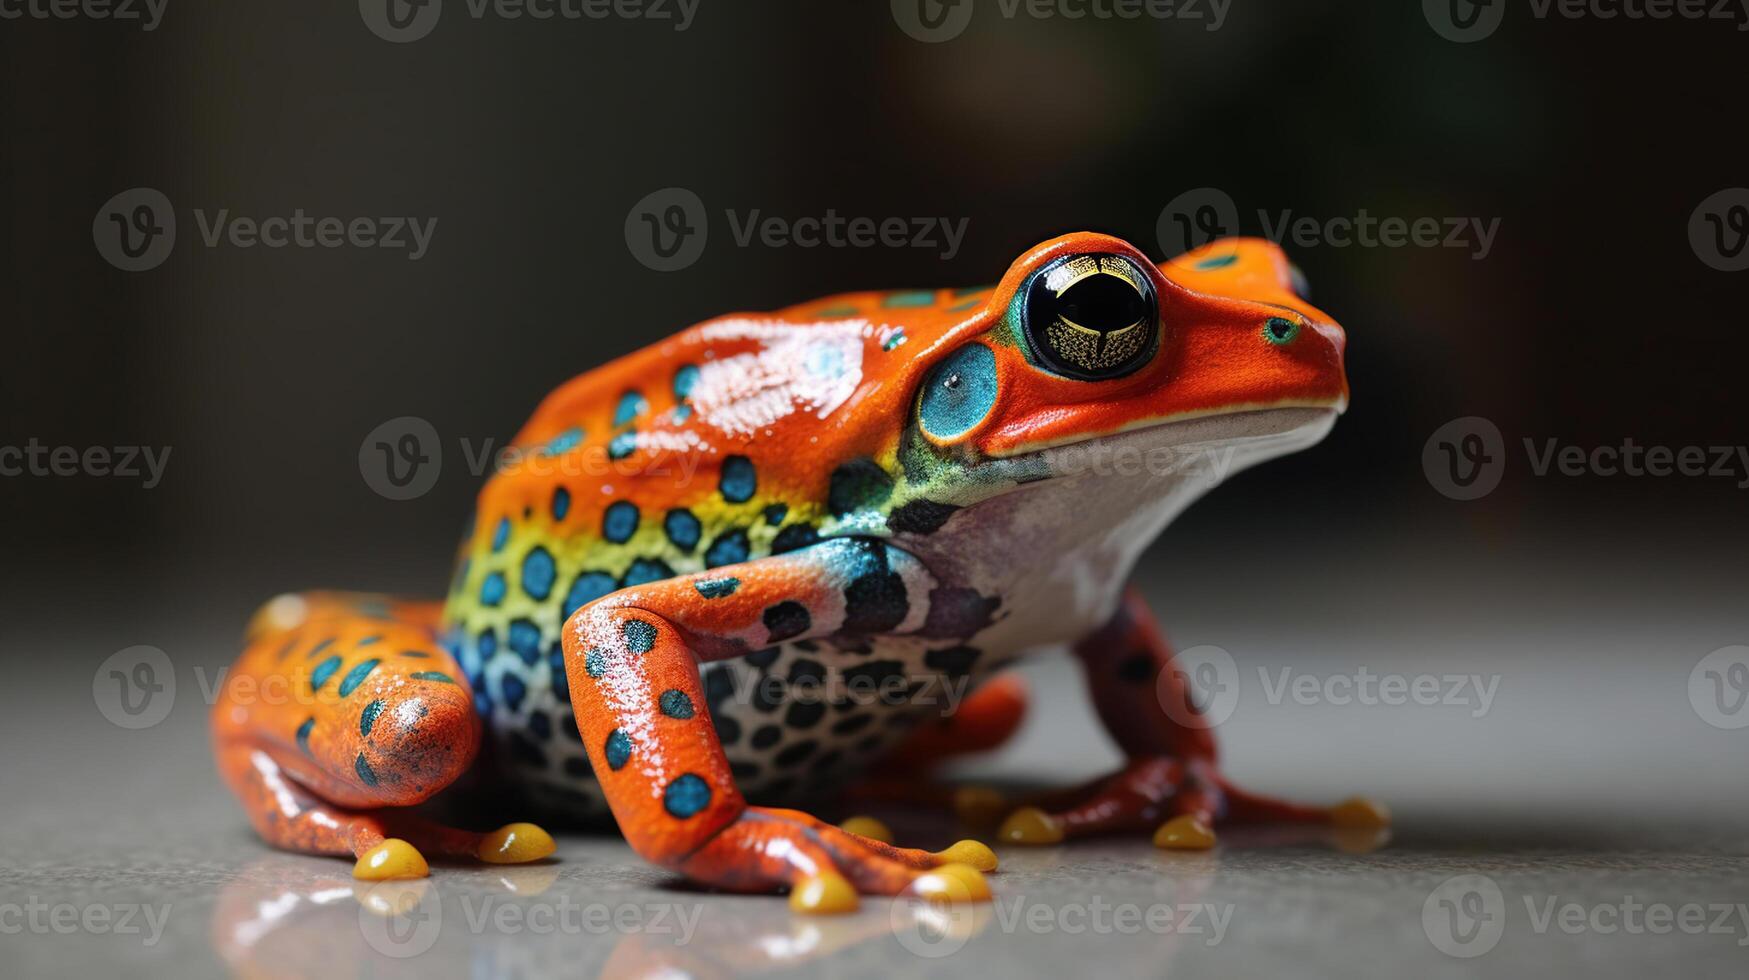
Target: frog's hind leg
column 341, row 709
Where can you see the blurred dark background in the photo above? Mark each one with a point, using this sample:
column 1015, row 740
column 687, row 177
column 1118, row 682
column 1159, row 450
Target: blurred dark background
column 1590, row 321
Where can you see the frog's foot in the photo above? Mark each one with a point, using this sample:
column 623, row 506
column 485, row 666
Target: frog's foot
column 1178, row 802
column 826, row 868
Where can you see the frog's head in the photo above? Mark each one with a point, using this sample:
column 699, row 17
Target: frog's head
column 1139, row 384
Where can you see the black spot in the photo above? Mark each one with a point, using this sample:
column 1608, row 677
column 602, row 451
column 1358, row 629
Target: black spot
column 745, row 771
column 578, row 767
column 763, row 658
column 526, row 752
column 794, row 538
column 874, row 603
column 806, row 672
column 869, row 744
column 718, row 685
column 768, row 694
column 920, row 517
column 728, row 729
column 787, row 619
column 539, row 725
column 794, row 754
column 568, row 725
column 775, row 513
column 804, row 714
column 953, row 661
column 1136, row 669
column 852, row 725
column 858, row 485
column 766, row 737
column 875, row 678
column 826, row 762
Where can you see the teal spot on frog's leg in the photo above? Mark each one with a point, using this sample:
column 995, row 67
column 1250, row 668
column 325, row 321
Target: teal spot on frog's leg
column 685, row 377
column 857, row 485
column 971, row 290
column 595, row 663
column 432, row 675
column 639, row 635
column 367, row 641
column 565, row 441
column 492, row 589
column 618, row 749
column 304, row 731
column 416, row 654
column 356, row 676
column 738, row 479
column 631, row 405
column 589, row 587
column 962, row 307
column 717, row 588
column 1218, row 262
column 915, row 297
column 321, row 672
column 501, row 534
column 675, row 704
column 365, row 772
column 682, row 528
column 538, row 573
column 959, row 393
column 623, row 445
column 681, row 413
column 561, row 503
column 321, row 645
column 686, row 796
column 894, row 341
column 368, row 717
column 836, row 312
column 620, row 521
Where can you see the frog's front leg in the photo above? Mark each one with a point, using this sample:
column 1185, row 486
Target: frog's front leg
column 632, row 660
column 1171, row 784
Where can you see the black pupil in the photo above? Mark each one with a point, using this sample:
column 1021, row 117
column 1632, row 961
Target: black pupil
column 1103, row 302
column 1279, row 328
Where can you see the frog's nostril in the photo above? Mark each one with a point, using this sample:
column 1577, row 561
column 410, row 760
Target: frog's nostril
column 1280, row 330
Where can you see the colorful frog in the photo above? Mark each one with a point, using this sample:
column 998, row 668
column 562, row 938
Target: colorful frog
column 750, row 559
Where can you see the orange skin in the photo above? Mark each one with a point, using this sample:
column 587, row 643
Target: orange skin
column 726, row 421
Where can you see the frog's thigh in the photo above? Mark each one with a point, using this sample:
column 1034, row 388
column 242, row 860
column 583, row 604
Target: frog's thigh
column 632, row 661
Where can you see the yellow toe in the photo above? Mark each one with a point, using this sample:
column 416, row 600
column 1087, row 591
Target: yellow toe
column 969, row 852
column 868, row 827
column 515, row 843
column 978, row 806
column 1358, row 811
column 1030, row 825
column 952, row 883
column 1184, row 833
column 826, row 893
column 393, row 858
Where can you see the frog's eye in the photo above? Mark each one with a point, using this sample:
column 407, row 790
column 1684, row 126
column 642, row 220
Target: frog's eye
column 959, row 393
column 1091, row 317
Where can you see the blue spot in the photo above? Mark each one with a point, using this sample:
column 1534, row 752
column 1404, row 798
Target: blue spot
column 684, row 379
column 618, row 749
column 304, row 734
column 512, row 690
column 595, row 663
column 432, row 675
column 525, row 640
column 631, row 405
column 501, row 534
column 675, row 704
column 640, row 636
column 539, row 725
column 364, row 771
column 1218, row 262
column 646, row 570
column 682, row 528
column 775, row 513
column 321, row 645
column 565, row 441
column 561, row 503
column 738, row 480
column 959, row 393
column 356, row 676
column 620, row 521
column 492, row 589
column 560, row 682
column 682, row 412
column 589, row 587
column 894, row 341
column 716, row 588
column 369, row 716
column 729, row 547
column 367, row 641
column 538, row 573
column 915, row 297
column 623, row 445
column 686, row 795
column 488, row 644
column 321, row 672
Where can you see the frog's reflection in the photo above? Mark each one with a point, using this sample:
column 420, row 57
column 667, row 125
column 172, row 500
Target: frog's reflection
column 287, row 916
